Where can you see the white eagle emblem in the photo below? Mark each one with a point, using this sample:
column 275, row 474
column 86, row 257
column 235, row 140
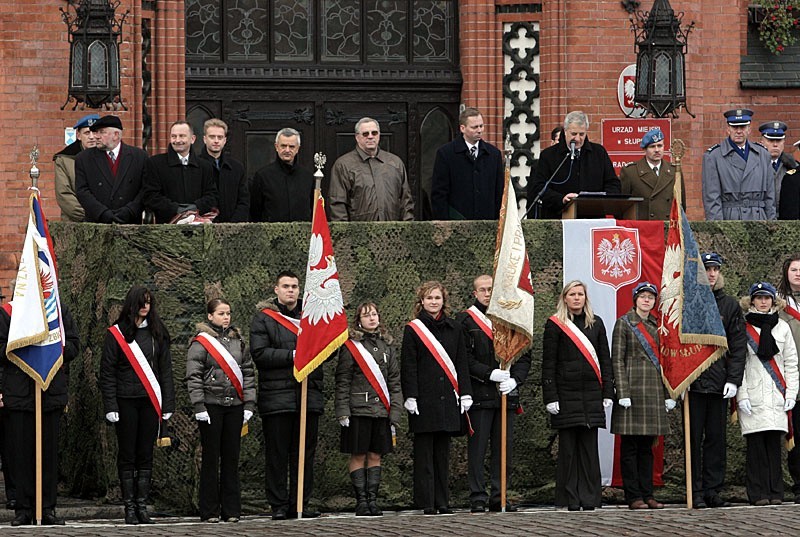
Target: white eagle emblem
column 615, row 256
column 671, row 282
column 323, row 296
column 630, row 89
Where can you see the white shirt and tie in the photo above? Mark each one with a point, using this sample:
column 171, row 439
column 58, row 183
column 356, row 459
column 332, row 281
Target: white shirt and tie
column 473, row 151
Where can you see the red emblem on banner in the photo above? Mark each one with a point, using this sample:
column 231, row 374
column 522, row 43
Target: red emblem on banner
column 617, row 259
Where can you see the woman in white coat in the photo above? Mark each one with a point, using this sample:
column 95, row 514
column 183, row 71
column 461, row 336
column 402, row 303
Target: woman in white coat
column 767, row 393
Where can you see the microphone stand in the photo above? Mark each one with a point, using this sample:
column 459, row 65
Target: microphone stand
column 537, row 201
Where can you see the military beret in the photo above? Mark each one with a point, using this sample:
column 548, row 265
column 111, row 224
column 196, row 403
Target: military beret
column 644, row 287
column 652, row 136
column 773, row 130
column 711, row 259
column 738, row 116
column 107, row 121
column 86, row 121
column 763, row 289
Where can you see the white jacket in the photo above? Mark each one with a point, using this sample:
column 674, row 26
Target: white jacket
column 758, row 386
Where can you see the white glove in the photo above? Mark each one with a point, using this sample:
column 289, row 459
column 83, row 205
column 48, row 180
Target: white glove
column 166, row 416
column 789, row 404
column 466, row 403
column 112, row 417
column 746, row 407
column 203, row 416
column 344, row 421
column 625, row 402
column 607, row 403
column 669, row 404
column 247, row 415
column 411, row 405
column 499, row 375
column 553, row 408
column 729, row 390
column 507, row 386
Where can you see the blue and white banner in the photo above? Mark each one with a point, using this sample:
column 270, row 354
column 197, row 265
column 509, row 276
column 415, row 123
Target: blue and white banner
column 36, row 332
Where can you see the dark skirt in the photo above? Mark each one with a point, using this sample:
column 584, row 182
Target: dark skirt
column 367, row 434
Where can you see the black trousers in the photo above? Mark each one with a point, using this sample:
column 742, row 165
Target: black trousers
column 5, row 455
column 487, row 424
column 793, row 458
column 281, row 451
column 137, row 430
column 636, row 463
column 708, row 412
column 578, row 481
column 220, row 492
column 431, row 470
column 764, row 478
column 22, row 454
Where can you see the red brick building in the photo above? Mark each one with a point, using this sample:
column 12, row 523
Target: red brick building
column 264, row 64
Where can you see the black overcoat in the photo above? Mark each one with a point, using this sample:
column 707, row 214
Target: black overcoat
column 232, row 187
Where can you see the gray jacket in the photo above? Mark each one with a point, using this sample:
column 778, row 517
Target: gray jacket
column 207, row 382
column 737, row 190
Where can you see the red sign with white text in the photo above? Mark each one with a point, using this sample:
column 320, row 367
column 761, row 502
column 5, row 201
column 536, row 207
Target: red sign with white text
column 625, row 135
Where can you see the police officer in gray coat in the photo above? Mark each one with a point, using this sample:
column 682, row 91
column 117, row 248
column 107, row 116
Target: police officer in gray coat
column 738, row 181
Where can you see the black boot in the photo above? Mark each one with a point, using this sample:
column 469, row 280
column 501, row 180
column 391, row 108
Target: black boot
column 359, row 479
column 373, row 483
column 127, row 483
column 142, row 491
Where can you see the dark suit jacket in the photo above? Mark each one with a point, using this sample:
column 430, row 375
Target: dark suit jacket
column 639, row 179
column 168, row 184
column 465, row 190
column 106, row 198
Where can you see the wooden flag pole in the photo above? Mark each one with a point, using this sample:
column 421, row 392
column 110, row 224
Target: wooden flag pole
column 503, row 453
column 38, row 514
column 687, row 447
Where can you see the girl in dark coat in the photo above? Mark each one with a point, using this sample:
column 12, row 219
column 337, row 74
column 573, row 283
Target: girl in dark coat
column 436, row 408
column 368, row 415
column 129, row 404
column 577, row 386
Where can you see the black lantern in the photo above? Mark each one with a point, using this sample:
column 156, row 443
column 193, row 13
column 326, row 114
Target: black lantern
column 94, row 36
column 660, row 64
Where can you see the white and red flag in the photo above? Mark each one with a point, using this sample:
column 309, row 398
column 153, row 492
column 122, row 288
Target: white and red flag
column 323, row 323
column 610, row 257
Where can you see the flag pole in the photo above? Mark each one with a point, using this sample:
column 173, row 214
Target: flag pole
column 34, row 175
column 508, row 150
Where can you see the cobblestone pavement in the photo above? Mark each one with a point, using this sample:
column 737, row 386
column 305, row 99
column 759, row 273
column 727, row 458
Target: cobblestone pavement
column 610, row 521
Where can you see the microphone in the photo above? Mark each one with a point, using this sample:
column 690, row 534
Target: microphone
column 572, row 150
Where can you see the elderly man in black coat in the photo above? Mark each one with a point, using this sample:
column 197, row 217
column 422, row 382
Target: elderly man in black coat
column 468, row 175
column 589, row 170
column 177, row 181
column 229, row 176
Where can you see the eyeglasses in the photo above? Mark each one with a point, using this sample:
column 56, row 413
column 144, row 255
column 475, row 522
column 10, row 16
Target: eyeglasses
column 365, row 134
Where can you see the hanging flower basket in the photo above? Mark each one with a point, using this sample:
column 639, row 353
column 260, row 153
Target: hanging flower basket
column 778, row 23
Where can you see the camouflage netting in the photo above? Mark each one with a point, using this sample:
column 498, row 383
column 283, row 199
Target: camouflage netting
column 187, row 265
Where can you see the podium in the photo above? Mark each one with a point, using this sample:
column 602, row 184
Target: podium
column 601, row 205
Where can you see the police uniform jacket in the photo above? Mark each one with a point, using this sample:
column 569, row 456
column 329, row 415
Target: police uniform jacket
column 737, row 190
column 789, row 206
column 639, row 179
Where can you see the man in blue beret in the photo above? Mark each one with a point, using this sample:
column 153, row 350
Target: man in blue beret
column 738, row 179
column 651, row 178
column 66, row 197
column 773, row 137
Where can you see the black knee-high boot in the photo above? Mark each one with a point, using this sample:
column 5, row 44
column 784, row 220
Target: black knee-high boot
column 142, row 491
column 127, row 484
column 373, row 483
column 359, row 480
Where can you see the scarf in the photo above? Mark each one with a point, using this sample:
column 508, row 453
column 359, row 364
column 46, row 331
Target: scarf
column 767, row 348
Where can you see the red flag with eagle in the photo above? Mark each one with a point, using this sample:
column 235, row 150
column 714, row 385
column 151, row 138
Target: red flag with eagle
column 323, row 323
column 511, row 305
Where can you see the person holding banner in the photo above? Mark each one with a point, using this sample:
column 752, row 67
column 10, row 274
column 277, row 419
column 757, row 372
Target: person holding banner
column 768, row 393
column 368, row 403
column 789, row 290
column 138, row 392
column 436, row 384
column 221, row 382
column 488, row 382
column 577, row 386
column 640, row 414
column 273, row 339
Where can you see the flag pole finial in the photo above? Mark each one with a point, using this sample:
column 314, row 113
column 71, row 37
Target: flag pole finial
column 508, row 150
column 34, row 173
column 319, row 161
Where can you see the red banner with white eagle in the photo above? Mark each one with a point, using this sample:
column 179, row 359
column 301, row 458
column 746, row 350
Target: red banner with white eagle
column 323, row 323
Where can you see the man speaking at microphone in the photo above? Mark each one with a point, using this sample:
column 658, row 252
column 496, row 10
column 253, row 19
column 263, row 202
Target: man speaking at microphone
column 587, row 168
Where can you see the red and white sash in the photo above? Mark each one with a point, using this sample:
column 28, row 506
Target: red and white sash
column 371, row 370
column 289, row 323
column 7, row 308
column 482, row 321
column 141, row 366
column 437, row 350
column 224, row 359
column 580, row 340
column 792, row 308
